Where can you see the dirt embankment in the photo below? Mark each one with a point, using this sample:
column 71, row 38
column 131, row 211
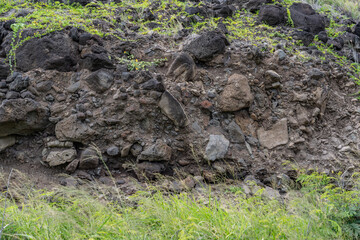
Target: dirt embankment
column 216, row 108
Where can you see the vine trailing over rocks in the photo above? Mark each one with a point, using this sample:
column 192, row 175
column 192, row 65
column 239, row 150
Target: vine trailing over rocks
column 109, row 19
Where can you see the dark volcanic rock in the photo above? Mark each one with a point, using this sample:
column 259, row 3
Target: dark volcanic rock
column 74, row 34
column 223, row 11
column 22, row 116
column 192, row 10
column 171, row 107
column 81, row 2
column 100, row 81
column 18, row 82
column 89, row 159
column 182, row 68
column 207, row 45
column 153, row 84
column 255, row 5
column 55, row 51
column 84, row 37
column 93, row 61
column 7, row 24
column 357, row 29
column 323, row 36
column 305, row 37
column 305, row 17
column 4, row 71
column 337, row 43
column 272, row 14
column 148, row 15
column 148, row 170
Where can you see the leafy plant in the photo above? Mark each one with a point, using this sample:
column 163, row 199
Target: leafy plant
column 133, row 64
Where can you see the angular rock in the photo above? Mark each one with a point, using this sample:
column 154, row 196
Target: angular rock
column 322, row 36
column 4, row 71
column 148, row 170
column 12, row 95
column 56, row 158
column 280, row 54
column 6, row 142
column 305, row 17
column 159, row 151
column 71, row 129
column 357, row 29
column 95, row 62
column 207, row 45
column 254, row 5
column 304, row 37
column 89, row 159
column 272, row 14
column 71, row 167
column 217, row 147
column 153, row 84
column 54, row 51
column 276, row 136
column 183, row 68
column 100, row 81
column 22, row 117
column 236, row 95
column 173, row 109
column 224, row 11
column 315, row 73
column 19, row 83
column 192, row 10
column 337, row 43
column 148, row 15
column 236, row 135
column 272, row 76
column 81, row 2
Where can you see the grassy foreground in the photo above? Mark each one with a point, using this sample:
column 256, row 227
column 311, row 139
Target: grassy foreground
column 320, row 210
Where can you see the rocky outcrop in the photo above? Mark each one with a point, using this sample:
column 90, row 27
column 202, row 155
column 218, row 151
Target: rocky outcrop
column 272, row 14
column 22, row 116
column 54, row 51
column 72, row 129
column 305, row 17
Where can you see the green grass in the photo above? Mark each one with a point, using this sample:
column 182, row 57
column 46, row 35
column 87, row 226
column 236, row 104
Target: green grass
column 45, row 18
column 321, row 210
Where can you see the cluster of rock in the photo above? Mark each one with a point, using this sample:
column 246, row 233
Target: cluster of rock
column 216, row 109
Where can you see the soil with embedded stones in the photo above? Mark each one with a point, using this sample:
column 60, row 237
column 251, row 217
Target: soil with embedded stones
column 216, row 109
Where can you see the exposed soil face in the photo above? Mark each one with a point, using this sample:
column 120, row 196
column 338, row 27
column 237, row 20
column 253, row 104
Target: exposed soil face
column 214, row 109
